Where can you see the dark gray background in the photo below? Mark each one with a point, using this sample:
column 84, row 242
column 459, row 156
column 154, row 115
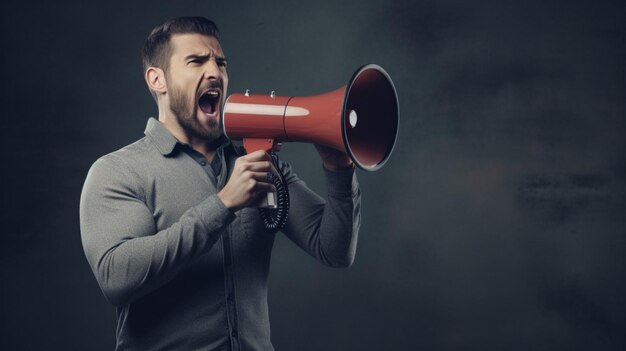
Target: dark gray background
column 497, row 224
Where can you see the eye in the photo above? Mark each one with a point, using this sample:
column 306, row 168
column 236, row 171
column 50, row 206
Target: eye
column 221, row 62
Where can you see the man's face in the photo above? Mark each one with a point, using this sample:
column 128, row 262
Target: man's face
column 196, row 84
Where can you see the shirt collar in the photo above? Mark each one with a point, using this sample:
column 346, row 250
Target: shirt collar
column 165, row 142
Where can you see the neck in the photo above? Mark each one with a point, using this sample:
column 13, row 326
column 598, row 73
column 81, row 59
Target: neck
column 202, row 145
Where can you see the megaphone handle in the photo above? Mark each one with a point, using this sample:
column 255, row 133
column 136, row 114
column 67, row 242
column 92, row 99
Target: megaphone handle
column 254, row 144
column 267, row 145
column 276, row 209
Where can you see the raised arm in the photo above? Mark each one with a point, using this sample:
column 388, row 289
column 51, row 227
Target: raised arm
column 326, row 229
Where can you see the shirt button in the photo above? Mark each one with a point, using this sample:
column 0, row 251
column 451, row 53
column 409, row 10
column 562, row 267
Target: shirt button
column 230, row 297
column 203, row 162
column 234, row 333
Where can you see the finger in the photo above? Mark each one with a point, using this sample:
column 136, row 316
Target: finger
column 260, row 166
column 264, row 168
column 266, row 177
column 259, row 155
column 261, row 187
column 274, row 171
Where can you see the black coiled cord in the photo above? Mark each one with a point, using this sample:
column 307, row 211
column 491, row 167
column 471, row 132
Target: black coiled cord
column 275, row 218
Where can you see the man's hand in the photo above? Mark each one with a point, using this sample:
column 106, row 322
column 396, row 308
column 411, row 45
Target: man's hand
column 248, row 180
column 334, row 160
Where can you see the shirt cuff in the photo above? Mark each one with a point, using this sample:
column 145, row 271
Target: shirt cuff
column 342, row 182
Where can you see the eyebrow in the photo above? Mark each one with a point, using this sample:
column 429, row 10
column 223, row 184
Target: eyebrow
column 204, row 57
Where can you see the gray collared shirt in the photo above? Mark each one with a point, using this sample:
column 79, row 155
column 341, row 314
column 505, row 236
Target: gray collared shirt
column 185, row 272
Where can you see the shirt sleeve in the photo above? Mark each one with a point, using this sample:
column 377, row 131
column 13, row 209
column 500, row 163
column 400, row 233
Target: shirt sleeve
column 325, row 228
column 127, row 254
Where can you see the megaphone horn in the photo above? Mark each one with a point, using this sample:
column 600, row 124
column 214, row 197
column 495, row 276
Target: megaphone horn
column 360, row 118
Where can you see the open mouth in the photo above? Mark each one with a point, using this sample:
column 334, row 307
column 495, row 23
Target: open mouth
column 209, row 101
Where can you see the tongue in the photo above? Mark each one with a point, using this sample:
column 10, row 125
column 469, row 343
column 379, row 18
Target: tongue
column 206, row 106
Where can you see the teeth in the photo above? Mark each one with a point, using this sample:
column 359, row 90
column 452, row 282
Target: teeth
column 212, row 93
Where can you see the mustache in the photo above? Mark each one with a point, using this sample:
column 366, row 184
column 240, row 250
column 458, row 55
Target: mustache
column 213, row 85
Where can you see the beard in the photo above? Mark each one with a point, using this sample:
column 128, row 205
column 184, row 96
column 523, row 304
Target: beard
column 186, row 115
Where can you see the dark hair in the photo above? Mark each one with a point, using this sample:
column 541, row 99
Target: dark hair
column 157, row 51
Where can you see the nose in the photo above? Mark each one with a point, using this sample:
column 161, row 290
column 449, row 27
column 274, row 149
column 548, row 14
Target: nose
column 212, row 70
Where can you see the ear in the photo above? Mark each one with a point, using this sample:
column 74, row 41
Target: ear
column 155, row 78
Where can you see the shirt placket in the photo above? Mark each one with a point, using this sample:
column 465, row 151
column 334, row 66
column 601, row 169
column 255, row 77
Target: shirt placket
column 219, row 180
column 229, row 281
column 231, row 305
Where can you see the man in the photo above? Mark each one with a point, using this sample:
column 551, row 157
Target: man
column 165, row 224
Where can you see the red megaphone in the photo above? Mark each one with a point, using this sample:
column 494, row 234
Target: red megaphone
column 361, row 119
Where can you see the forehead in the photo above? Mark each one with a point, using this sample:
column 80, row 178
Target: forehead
column 194, row 43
